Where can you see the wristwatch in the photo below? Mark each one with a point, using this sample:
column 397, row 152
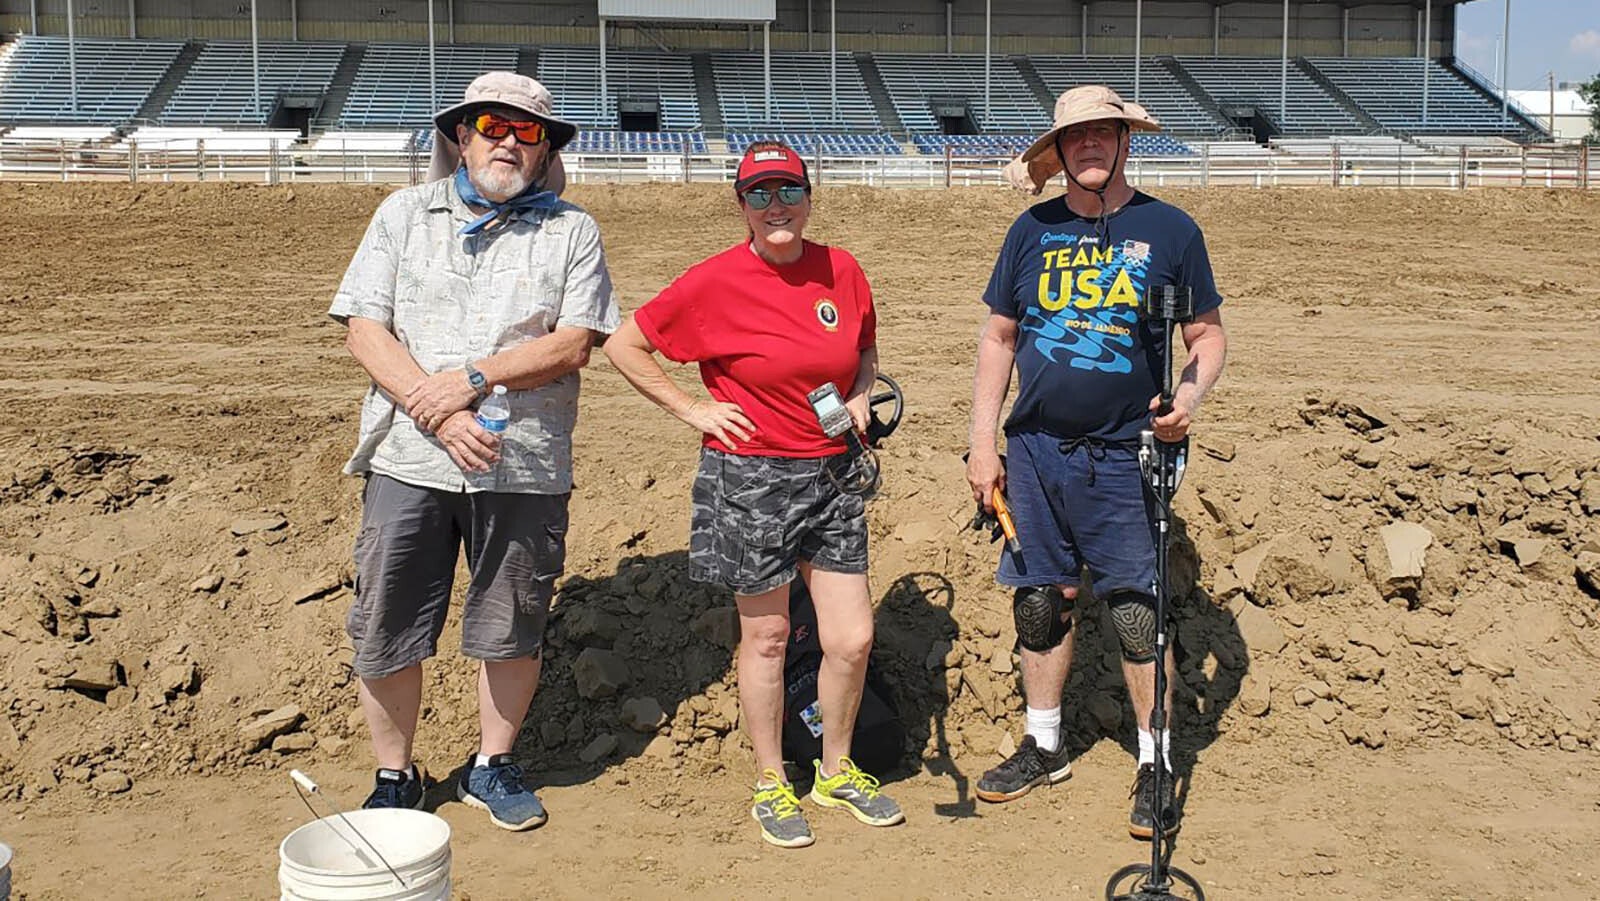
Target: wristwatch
column 477, row 381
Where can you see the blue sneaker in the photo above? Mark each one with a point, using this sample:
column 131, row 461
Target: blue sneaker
column 498, row 789
column 396, row 788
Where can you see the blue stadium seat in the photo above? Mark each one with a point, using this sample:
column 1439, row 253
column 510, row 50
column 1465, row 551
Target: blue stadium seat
column 115, row 78
column 829, row 144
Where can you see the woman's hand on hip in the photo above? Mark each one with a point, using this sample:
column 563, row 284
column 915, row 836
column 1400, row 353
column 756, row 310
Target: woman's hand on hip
column 724, row 422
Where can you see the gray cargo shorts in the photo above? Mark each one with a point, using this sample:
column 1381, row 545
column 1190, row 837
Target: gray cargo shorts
column 405, row 562
column 755, row 518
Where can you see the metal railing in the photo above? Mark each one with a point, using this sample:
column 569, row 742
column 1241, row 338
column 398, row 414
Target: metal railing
column 1547, row 166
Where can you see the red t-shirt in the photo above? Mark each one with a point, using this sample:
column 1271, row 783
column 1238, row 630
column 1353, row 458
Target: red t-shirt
column 765, row 336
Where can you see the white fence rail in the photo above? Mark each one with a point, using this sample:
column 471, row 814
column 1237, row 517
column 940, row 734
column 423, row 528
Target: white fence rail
column 1551, row 166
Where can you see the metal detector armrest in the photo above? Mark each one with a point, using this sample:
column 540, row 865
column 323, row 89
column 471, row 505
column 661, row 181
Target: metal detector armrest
column 1172, row 303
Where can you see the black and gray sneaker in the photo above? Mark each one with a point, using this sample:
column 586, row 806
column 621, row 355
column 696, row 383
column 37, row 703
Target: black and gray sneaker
column 1020, row 772
column 396, row 788
column 1141, row 822
column 777, row 811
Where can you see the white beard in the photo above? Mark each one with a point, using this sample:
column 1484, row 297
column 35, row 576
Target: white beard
column 494, row 181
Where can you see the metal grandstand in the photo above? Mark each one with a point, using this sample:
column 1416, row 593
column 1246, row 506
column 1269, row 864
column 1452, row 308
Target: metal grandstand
column 642, row 81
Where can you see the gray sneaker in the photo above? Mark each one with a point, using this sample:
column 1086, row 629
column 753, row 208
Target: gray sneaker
column 777, row 811
column 857, row 792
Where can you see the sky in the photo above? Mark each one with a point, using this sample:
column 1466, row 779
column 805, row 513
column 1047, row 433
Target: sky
column 1562, row 36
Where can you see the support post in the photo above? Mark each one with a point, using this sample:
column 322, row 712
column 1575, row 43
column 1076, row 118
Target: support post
column 255, row 63
column 1427, row 52
column 1283, row 74
column 833, row 58
column 72, row 59
column 433, row 64
column 988, row 32
column 1505, row 66
column 1138, row 36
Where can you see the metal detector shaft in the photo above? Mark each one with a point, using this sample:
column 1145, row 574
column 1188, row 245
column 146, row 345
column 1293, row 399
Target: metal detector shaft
column 1165, row 486
column 1162, row 464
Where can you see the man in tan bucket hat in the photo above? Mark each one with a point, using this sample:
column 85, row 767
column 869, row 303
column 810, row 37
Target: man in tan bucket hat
column 1063, row 308
column 481, row 284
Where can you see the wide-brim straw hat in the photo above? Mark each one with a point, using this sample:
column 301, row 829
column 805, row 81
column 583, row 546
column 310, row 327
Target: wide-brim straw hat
column 1087, row 103
column 508, row 89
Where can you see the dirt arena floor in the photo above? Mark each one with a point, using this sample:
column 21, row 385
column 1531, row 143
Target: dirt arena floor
column 1391, row 558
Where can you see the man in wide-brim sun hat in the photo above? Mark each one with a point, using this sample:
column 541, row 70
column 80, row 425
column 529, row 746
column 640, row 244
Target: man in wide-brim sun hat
column 1063, row 308
column 518, row 92
column 481, row 282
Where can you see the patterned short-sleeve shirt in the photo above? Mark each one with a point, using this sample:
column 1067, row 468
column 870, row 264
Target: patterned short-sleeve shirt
column 452, row 299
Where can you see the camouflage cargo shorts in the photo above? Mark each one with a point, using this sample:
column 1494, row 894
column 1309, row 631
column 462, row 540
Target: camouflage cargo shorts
column 756, row 518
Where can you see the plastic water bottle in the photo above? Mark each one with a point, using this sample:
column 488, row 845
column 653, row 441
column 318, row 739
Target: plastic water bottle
column 494, row 414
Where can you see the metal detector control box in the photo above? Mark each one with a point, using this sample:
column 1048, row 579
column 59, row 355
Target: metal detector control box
column 832, row 415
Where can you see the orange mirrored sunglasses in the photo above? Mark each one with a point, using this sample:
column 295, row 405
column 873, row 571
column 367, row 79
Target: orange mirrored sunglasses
column 495, row 128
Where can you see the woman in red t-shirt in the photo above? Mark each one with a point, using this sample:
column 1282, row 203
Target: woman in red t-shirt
column 768, row 321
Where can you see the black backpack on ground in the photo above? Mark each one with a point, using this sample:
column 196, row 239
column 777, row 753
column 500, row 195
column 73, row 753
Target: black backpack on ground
column 879, row 740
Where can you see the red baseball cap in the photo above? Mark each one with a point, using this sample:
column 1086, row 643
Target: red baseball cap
column 771, row 162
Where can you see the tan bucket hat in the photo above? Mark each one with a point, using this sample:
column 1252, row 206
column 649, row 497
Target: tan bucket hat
column 502, row 89
column 1087, row 103
column 508, row 89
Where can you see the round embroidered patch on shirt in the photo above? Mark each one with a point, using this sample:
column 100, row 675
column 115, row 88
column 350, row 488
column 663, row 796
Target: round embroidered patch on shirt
column 828, row 314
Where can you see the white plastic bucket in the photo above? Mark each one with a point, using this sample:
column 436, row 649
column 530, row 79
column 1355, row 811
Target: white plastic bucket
column 5, row 872
column 327, row 861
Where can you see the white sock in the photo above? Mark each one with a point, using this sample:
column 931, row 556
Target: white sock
column 1045, row 727
column 1147, row 748
column 481, row 760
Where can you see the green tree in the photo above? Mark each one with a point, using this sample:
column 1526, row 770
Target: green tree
column 1591, row 95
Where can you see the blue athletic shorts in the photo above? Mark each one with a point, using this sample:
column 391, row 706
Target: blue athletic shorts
column 1078, row 504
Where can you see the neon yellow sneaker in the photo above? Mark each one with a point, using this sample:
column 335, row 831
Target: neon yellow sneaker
column 777, row 811
column 856, row 792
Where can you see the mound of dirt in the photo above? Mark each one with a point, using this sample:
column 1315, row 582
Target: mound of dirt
column 1373, row 552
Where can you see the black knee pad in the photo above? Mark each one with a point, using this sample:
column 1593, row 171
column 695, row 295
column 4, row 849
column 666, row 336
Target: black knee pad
column 1133, row 614
column 1038, row 612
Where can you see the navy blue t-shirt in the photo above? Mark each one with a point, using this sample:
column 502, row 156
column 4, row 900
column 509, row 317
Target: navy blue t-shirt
column 1087, row 364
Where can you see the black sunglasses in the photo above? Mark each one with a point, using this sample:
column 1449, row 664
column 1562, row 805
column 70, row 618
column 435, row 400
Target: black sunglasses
column 788, row 195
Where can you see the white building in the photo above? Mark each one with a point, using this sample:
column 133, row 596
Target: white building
column 1564, row 112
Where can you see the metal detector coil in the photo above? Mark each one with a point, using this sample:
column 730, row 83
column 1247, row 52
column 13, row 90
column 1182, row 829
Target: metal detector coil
column 891, row 398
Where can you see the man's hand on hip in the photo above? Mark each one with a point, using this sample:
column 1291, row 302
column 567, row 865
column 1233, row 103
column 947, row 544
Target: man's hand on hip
column 436, row 397
column 468, row 444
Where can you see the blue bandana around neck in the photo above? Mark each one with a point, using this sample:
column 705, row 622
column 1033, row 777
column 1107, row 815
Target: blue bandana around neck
column 532, row 198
